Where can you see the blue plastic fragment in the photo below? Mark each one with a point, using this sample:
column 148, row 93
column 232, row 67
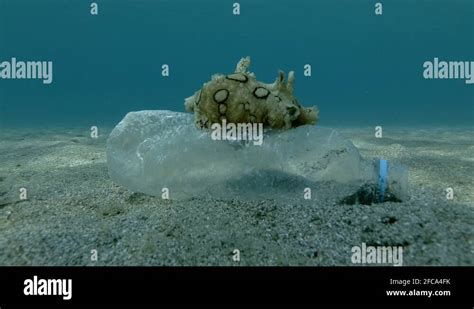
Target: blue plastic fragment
column 383, row 172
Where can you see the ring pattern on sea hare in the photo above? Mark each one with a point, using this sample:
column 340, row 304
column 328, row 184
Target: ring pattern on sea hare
column 222, row 108
column 261, row 92
column 291, row 110
column 221, row 95
column 238, row 77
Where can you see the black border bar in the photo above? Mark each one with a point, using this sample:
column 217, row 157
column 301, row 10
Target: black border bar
column 238, row 285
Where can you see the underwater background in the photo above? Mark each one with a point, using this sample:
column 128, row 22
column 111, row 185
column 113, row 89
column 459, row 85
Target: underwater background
column 366, row 69
column 69, row 184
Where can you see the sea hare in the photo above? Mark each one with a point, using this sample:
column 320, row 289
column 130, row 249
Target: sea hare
column 240, row 98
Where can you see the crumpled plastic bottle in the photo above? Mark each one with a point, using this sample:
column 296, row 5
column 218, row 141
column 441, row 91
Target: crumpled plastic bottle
column 151, row 150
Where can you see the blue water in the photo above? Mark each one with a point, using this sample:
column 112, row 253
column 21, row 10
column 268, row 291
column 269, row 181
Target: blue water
column 366, row 69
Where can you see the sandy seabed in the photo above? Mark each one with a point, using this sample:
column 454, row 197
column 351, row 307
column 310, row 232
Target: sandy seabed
column 73, row 207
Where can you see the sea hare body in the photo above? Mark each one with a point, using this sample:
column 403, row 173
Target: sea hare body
column 151, row 150
column 240, row 98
